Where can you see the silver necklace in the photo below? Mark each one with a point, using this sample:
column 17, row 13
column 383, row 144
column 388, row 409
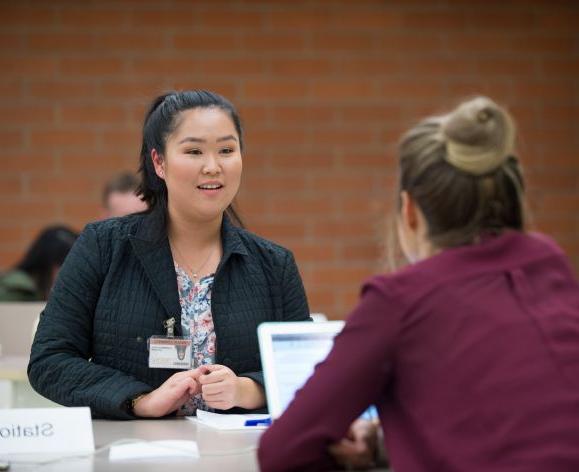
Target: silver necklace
column 194, row 273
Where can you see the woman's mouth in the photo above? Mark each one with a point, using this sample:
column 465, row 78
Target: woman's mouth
column 210, row 188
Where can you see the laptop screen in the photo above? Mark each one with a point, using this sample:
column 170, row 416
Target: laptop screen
column 289, row 354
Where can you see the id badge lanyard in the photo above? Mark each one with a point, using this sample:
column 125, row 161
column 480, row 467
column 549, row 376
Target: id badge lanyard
column 170, row 351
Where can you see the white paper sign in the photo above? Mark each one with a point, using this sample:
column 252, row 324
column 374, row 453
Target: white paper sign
column 46, row 431
column 153, row 450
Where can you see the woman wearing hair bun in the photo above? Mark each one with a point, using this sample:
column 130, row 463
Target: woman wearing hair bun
column 471, row 352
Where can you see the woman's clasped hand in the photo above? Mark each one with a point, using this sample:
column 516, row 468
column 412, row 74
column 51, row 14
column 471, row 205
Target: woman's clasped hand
column 219, row 386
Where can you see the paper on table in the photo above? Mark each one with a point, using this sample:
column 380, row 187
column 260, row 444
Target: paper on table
column 227, row 422
column 152, row 449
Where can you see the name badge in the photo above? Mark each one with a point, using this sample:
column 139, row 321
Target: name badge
column 61, row 431
column 169, row 352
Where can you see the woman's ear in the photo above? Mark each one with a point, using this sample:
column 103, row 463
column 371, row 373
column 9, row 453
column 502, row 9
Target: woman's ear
column 408, row 211
column 409, row 227
column 158, row 163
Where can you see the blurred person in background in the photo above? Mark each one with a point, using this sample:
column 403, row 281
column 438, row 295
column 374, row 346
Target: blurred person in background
column 471, row 352
column 120, row 196
column 33, row 277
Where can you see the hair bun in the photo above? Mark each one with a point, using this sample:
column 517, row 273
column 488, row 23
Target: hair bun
column 479, row 136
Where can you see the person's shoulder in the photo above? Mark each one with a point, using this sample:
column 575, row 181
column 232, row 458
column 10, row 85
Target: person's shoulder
column 256, row 244
column 452, row 266
column 117, row 228
column 412, row 281
column 519, row 249
column 546, row 256
column 403, row 283
column 541, row 240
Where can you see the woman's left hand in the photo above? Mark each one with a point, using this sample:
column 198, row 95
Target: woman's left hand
column 222, row 389
column 358, row 449
column 219, row 386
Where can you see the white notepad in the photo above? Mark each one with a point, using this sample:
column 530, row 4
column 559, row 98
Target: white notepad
column 227, row 422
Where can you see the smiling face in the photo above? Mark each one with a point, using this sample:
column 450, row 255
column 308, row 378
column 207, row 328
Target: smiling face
column 201, row 165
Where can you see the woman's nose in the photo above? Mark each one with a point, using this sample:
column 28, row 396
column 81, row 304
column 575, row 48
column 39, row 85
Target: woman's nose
column 211, row 165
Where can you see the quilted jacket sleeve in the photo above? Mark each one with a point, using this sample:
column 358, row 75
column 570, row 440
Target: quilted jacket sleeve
column 60, row 367
column 295, row 303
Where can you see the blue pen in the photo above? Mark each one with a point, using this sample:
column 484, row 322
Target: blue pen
column 264, row 422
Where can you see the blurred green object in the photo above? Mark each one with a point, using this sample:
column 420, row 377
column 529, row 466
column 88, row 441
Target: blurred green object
column 17, row 286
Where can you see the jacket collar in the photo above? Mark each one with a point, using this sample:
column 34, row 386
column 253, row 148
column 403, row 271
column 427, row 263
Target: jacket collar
column 150, row 243
column 151, row 246
column 153, row 226
column 231, row 240
column 153, row 230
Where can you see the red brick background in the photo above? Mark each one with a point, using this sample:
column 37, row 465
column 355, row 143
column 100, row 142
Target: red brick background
column 324, row 87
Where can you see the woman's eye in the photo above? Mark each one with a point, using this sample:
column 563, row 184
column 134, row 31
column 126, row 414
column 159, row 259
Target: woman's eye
column 195, row 152
column 227, row 151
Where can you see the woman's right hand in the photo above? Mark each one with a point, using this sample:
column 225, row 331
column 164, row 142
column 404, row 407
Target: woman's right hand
column 174, row 392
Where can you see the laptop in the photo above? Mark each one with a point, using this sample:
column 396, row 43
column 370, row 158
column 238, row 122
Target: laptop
column 289, row 353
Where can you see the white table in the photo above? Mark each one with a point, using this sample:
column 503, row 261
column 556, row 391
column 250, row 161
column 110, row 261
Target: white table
column 220, row 451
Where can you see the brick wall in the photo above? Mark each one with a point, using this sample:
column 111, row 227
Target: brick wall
column 324, row 87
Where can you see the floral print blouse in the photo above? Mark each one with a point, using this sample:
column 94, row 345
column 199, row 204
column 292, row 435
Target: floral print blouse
column 196, row 323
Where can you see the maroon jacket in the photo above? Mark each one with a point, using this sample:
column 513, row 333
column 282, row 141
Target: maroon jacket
column 471, row 357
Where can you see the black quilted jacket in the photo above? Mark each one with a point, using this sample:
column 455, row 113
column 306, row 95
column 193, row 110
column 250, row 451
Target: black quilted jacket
column 116, row 288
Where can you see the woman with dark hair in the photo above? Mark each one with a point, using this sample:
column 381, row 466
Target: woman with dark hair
column 32, row 278
column 182, row 286
column 471, row 353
